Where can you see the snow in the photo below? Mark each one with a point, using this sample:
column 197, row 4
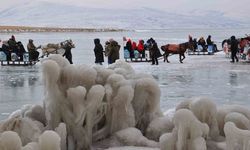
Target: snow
column 39, row 13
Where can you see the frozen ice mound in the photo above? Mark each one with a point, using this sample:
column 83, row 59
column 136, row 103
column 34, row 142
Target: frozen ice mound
column 92, row 107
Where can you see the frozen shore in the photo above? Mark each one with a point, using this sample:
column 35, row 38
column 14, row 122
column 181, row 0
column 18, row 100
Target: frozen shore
column 96, row 107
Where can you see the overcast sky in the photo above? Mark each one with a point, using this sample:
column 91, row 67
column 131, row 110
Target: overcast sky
column 232, row 8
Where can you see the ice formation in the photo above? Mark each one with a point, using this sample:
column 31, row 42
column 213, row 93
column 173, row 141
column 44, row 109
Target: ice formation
column 10, row 140
column 159, row 126
column 205, row 110
column 236, row 138
column 189, row 129
column 88, row 107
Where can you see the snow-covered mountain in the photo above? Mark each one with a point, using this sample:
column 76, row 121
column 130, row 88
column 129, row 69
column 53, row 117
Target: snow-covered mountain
column 40, row 13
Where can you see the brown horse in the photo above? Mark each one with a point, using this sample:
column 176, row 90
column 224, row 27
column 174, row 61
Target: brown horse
column 176, row 49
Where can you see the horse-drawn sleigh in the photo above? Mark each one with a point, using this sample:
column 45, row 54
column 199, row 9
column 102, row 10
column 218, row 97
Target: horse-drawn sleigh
column 27, row 59
column 168, row 50
column 15, row 60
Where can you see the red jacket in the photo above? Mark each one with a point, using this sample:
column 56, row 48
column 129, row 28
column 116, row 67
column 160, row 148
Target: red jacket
column 134, row 47
column 140, row 46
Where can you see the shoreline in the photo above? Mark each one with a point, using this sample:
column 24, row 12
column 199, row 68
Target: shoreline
column 28, row 29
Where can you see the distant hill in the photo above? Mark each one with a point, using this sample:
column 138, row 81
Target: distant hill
column 6, row 29
column 45, row 14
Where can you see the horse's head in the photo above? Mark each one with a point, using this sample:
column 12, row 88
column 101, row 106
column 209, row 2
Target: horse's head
column 163, row 47
column 187, row 45
column 68, row 43
column 190, row 45
column 71, row 44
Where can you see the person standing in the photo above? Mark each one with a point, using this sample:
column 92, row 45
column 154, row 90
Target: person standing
column 108, row 52
column 234, row 49
column 98, row 52
column 112, row 49
column 32, row 49
column 67, row 54
column 115, row 48
column 155, row 52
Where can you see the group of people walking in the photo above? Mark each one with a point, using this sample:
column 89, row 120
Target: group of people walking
column 111, row 51
column 112, row 48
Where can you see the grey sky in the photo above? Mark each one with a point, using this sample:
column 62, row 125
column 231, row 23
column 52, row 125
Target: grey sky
column 231, row 8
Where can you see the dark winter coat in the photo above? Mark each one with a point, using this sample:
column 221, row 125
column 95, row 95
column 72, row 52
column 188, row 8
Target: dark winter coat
column 33, row 53
column 201, row 42
column 98, row 53
column 112, row 51
column 67, row 54
column 115, row 49
column 155, row 51
column 209, row 41
column 12, row 44
column 129, row 48
column 234, row 45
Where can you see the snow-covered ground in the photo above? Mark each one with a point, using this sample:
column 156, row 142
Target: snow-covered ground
column 211, row 76
column 40, row 13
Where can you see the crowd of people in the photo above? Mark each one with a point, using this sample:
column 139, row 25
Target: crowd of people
column 111, row 49
column 135, row 51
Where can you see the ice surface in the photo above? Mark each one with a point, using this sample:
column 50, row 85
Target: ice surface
column 210, row 76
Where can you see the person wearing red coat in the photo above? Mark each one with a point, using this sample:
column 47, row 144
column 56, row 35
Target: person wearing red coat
column 140, row 48
column 134, row 47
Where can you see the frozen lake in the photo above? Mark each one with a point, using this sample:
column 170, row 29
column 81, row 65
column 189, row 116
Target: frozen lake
column 211, row 76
